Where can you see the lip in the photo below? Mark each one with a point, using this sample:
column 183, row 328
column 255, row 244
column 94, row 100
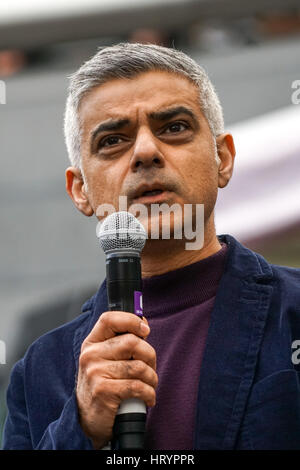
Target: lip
column 163, row 196
column 148, row 187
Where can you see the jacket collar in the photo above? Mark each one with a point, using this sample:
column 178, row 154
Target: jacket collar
column 245, row 263
column 233, row 343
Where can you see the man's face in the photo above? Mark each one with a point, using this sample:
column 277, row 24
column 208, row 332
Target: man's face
column 147, row 133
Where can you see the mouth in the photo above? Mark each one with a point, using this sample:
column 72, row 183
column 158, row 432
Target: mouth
column 148, row 194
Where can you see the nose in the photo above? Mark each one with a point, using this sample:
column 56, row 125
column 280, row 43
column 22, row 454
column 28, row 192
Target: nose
column 146, row 152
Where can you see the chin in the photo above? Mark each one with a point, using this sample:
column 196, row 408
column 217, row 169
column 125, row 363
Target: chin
column 160, row 227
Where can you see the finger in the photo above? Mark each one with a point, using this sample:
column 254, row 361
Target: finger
column 132, row 369
column 123, row 389
column 113, row 323
column 118, row 348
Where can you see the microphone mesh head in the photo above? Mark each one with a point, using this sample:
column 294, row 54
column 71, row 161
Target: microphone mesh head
column 121, row 231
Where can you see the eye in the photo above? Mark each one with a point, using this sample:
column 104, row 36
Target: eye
column 109, row 141
column 176, row 127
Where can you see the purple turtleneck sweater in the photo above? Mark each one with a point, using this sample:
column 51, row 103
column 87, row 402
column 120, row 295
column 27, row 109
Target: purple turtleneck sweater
column 178, row 307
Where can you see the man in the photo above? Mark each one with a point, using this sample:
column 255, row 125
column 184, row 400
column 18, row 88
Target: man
column 216, row 369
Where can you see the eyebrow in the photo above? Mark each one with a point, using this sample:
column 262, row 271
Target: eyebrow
column 163, row 115
column 110, row 125
column 169, row 113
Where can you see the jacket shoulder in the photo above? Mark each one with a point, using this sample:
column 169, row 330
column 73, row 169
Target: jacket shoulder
column 288, row 281
column 286, row 272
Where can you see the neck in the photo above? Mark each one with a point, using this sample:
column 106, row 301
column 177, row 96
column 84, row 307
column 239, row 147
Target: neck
column 161, row 256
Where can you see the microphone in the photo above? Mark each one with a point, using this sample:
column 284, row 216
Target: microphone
column 122, row 238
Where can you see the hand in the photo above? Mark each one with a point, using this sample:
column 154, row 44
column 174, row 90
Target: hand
column 113, row 367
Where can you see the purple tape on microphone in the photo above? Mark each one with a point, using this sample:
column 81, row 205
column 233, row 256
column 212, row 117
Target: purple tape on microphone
column 138, row 303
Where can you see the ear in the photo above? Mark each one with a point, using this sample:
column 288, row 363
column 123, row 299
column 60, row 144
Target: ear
column 226, row 152
column 76, row 190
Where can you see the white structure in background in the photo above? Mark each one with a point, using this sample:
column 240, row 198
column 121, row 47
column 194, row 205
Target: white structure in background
column 29, row 10
column 32, row 22
column 264, row 193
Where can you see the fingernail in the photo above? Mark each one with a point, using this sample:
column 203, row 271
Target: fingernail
column 144, row 328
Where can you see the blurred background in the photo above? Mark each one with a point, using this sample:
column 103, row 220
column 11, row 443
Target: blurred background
column 50, row 259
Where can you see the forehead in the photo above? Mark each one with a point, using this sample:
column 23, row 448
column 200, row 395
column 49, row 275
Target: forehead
column 146, row 92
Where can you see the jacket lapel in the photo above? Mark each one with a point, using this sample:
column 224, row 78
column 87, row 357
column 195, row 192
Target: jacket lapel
column 94, row 306
column 233, row 343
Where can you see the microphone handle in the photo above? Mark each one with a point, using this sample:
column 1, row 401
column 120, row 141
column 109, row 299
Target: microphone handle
column 124, row 283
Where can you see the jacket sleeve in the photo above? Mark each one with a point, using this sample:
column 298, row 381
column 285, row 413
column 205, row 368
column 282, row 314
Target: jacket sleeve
column 63, row 433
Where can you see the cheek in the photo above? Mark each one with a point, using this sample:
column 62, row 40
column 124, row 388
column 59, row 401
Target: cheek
column 201, row 175
column 200, row 161
column 104, row 187
column 96, row 184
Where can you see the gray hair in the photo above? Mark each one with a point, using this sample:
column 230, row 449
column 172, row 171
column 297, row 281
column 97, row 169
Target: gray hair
column 125, row 60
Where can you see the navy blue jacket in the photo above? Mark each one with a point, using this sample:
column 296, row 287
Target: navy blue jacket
column 249, row 384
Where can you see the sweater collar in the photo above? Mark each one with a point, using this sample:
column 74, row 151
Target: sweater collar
column 183, row 287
